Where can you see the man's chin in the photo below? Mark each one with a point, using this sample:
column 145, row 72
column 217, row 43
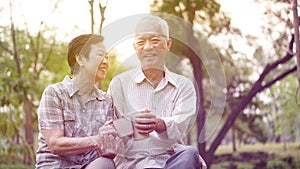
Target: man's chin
column 151, row 67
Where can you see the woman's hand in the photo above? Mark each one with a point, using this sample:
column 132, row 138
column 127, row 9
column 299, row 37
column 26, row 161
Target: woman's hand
column 108, row 138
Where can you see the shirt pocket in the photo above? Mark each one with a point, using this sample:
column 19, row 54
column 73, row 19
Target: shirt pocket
column 69, row 123
column 104, row 115
column 95, row 124
column 100, row 119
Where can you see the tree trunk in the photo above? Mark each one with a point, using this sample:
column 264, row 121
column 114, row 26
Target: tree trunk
column 27, row 105
column 296, row 29
column 240, row 138
column 198, row 75
column 28, row 158
column 233, row 138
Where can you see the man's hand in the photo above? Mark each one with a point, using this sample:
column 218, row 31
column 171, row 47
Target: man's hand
column 146, row 122
column 160, row 125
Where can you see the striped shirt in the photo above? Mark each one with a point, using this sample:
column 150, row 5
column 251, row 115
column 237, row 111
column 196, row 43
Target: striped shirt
column 61, row 108
column 173, row 100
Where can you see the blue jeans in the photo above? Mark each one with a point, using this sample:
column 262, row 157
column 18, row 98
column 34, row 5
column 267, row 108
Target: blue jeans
column 186, row 158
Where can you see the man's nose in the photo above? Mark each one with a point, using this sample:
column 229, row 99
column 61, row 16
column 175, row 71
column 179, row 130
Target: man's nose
column 148, row 45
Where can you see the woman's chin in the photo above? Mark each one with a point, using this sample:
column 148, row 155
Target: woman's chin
column 99, row 78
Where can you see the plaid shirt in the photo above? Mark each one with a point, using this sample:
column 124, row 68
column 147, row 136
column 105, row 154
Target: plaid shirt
column 173, row 100
column 61, row 108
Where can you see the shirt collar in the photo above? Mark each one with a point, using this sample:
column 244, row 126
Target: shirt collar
column 73, row 89
column 98, row 94
column 139, row 77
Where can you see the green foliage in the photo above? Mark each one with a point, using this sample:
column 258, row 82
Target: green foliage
column 204, row 12
column 252, row 126
column 37, row 62
column 285, row 116
column 115, row 68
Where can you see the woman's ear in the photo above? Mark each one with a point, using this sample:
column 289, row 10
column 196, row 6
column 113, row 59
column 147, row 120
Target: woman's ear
column 78, row 60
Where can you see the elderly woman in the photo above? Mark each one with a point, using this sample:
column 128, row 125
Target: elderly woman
column 73, row 114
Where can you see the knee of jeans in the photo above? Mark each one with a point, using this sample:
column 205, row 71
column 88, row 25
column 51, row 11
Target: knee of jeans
column 103, row 163
column 191, row 152
column 110, row 162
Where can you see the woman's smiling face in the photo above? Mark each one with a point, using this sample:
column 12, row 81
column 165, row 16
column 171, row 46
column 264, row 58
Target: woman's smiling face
column 97, row 64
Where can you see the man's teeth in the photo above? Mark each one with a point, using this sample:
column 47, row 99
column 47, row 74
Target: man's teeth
column 149, row 55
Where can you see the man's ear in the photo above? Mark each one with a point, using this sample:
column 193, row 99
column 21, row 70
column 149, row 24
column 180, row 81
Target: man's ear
column 169, row 44
column 134, row 47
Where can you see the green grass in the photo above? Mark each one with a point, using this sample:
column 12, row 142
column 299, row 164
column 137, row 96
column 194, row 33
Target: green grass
column 15, row 166
column 238, row 165
column 252, row 156
column 268, row 147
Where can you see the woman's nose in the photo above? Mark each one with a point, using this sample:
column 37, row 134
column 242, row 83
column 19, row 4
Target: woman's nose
column 105, row 60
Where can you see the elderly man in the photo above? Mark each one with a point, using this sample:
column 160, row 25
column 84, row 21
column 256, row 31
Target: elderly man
column 161, row 104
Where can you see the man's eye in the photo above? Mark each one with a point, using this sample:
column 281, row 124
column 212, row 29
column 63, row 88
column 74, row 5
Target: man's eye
column 155, row 41
column 140, row 43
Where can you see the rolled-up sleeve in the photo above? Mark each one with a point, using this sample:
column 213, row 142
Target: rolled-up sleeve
column 183, row 112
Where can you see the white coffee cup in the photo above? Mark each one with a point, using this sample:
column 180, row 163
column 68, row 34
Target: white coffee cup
column 136, row 134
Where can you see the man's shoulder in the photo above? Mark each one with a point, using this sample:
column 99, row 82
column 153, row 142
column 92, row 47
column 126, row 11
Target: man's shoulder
column 179, row 78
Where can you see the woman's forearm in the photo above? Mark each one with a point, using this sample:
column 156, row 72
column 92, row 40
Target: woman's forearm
column 72, row 146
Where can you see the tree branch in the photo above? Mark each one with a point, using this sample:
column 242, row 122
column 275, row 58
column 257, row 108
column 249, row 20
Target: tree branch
column 3, row 46
column 257, row 87
column 102, row 12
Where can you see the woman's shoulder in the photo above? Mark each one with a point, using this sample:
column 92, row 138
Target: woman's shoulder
column 59, row 87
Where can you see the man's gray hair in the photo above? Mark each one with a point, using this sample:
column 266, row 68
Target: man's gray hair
column 155, row 20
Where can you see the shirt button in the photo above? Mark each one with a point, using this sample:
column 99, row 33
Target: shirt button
column 83, row 110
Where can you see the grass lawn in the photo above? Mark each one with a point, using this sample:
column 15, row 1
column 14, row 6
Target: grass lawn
column 258, row 156
column 251, row 156
column 15, row 166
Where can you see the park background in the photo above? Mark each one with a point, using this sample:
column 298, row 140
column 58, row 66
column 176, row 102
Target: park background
column 243, row 65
